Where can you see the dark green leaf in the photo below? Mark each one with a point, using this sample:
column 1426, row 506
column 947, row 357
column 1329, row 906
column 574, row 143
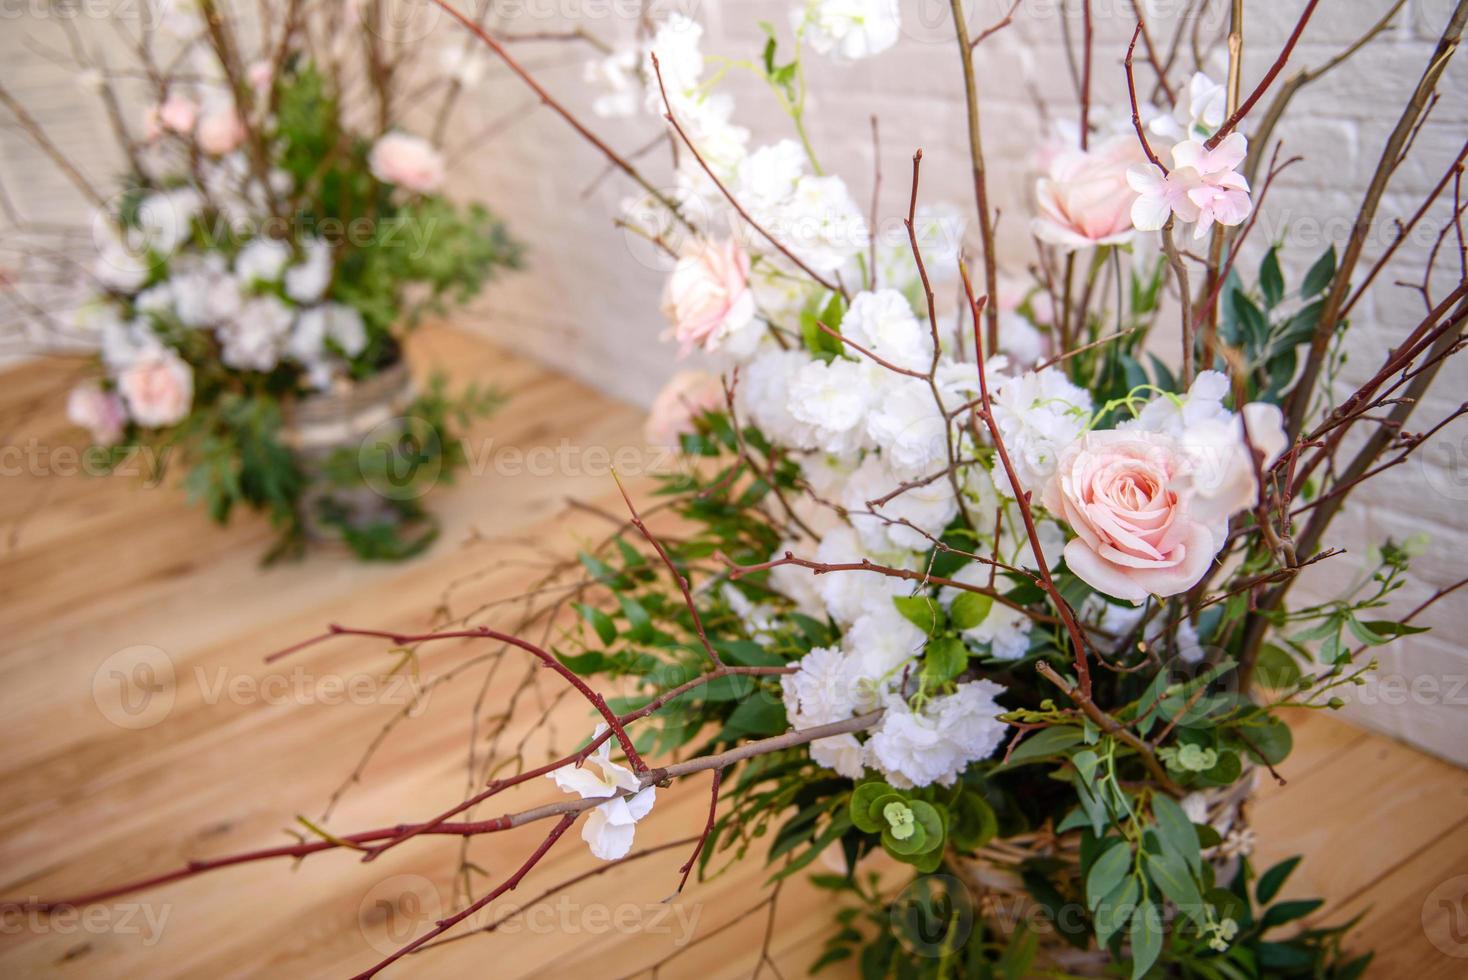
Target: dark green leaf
column 1146, row 937
column 1176, row 832
column 1271, row 881
column 1320, row 275
column 606, row 630
column 1107, row 871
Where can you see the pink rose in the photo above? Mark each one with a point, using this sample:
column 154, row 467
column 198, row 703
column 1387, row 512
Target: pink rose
column 220, row 131
column 1126, row 495
column 684, row 398
column 176, row 114
column 99, row 412
column 707, row 297
column 407, row 161
column 1084, row 199
column 158, row 388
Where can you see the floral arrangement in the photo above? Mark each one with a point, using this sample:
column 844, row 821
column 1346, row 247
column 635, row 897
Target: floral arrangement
column 269, row 247
column 999, row 595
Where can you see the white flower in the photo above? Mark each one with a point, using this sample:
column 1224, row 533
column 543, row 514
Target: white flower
column 928, row 508
column 616, row 75
column 1175, row 415
column 120, row 268
column 878, row 646
column 262, row 260
column 850, row 595
column 1038, row 414
column 123, row 342
column 155, row 299
column 842, row 753
column 820, row 223
column 1005, row 630
column 306, row 281
column 763, row 395
column 204, row 293
column 1019, row 338
column 254, row 340
column 885, row 324
column 1198, row 113
column 832, row 398
column 908, row 425
column 165, row 219
column 797, row 584
column 939, row 743
column 610, row 827
column 820, row 692
column 341, row 325
column 680, row 60
column 851, row 29
column 767, row 177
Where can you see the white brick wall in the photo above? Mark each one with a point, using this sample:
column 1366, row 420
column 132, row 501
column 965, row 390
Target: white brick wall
column 588, row 301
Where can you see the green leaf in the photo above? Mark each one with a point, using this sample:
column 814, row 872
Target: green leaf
column 969, row 610
column 1271, row 279
column 976, row 822
column 1276, row 669
column 602, row 572
column 862, row 799
column 944, row 659
column 1269, row 742
column 1176, row 832
column 923, row 612
column 1044, row 744
column 1271, row 881
column 1107, row 871
column 1146, row 938
column 1385, row 627
column 1278, row 915
column 1176, row 881
column 606, row 630
column 1320, row 275
column 760, row 715
column 1114, row 910
column 639, row 623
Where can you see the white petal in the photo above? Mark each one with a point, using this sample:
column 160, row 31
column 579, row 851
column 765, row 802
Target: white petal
column 640, row 805
column 581, row 781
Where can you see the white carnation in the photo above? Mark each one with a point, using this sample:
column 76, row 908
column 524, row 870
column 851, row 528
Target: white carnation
column 204, row 292
column 306, row 281
column 763, row 395
column 851, row 594
column 820, row 691
column 255, row 339
column 832, row 398
column 1039, row 415
column 884, row 323
column 262, row 260
column 937, row 744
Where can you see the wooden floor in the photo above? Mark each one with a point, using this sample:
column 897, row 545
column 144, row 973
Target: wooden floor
column 95, row 790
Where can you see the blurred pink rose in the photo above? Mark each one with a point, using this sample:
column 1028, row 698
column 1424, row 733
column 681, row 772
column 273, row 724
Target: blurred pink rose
column 1125, row 495
column 407, row 161
column 1084, row 199
column 176, row 114
column 158, row 388
column 684, row 398
column 707, row 297
column 220, row 131
column 99, row 412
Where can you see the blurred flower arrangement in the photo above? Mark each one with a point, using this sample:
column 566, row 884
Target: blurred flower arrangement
column 998, row 592
column 275, row 237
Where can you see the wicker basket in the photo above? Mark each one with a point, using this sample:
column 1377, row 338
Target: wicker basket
column 994, row 874
column 318, row 426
